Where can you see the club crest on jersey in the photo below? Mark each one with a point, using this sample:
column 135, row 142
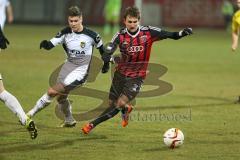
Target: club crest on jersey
column 143, row 38
column 83, row 44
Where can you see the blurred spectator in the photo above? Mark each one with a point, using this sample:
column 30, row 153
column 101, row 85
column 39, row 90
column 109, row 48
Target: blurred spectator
column 112, row 11
column 227, row 11
column 5, row 7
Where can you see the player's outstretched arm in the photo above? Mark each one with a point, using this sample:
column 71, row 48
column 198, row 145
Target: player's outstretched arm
column 180, row 34
column 3, row 40
column 46, row 45
column 160, row 34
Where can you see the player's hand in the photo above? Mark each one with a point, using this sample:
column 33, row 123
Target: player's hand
column 106, row 57
column 108, row 50
column 105, row 67
column 44, row 44
column 3, row 42
column 185, row 32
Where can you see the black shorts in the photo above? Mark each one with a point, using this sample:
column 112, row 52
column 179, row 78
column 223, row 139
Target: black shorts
column 122, row 85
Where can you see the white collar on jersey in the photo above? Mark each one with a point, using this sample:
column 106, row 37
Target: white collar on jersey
column 135, row 35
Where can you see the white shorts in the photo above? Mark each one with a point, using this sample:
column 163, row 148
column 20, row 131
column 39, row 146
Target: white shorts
column 72, row 74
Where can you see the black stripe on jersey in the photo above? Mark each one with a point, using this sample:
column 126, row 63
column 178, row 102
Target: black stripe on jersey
column 63, row 32
column 130, row 45
column 145, row 50
column 138, row 43
column 126, row 56
column 116, row 38
column 95, row 36
column 155, row 28
column 65, row 47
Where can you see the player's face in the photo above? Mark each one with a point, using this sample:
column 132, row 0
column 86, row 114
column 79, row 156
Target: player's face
column 75, row 23
column 131, row 23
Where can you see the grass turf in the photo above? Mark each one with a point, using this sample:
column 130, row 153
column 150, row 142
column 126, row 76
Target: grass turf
column 205, row 78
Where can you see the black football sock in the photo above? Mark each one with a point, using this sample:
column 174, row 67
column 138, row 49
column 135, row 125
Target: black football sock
column 124, row 110
column 109, row 109
column 106, row 116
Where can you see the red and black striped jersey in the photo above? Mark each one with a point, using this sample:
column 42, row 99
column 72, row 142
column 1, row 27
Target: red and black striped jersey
column 135, row 49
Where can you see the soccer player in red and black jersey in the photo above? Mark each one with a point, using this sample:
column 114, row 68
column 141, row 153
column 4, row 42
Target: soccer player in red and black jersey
column 135, row 43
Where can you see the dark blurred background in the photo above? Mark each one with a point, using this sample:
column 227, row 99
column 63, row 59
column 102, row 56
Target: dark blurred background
column 170, row 13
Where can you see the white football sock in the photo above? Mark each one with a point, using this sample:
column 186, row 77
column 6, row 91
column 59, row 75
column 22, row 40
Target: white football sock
column 66, row 109
column 12, row 103
column 43, row 102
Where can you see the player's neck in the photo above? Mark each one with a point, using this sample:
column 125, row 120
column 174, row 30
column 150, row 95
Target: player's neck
column 133, row 34
column 80, row 29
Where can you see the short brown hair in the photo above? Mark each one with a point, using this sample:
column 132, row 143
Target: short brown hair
column 74, row 11
column 132, row 11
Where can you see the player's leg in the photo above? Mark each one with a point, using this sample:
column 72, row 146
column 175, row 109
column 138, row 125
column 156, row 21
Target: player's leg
column 57, row 89
column 116, row 107
column 117, row 102
column 66, row 108
column 128, row 92
column 46, row 99
column 112, row 111
column 131, row 89
column 114, row 93
column 12, row 103
column 71, row 76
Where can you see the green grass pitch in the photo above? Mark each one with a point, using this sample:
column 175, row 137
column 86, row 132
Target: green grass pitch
column 206, row 83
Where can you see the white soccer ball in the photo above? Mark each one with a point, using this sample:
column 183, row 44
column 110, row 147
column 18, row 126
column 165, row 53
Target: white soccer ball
column 173, row 138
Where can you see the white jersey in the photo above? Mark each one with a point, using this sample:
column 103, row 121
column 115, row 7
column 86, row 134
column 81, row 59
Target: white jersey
column 3, row 5
column 78, row 46
column 79, row 50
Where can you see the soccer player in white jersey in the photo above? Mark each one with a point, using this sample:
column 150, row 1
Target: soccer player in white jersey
column 11, row 101
column 5, row 7
column 78, row 42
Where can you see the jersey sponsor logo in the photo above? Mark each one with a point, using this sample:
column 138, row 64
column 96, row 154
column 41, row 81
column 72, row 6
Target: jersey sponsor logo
column 82, row 44
column 76, row 53
column 135, row 49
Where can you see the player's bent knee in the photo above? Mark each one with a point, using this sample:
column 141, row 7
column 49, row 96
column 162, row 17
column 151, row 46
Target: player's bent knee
column 52, row 93
column 121, row 103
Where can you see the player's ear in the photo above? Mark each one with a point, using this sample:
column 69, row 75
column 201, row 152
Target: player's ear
column 81, row 18
column 124, row 20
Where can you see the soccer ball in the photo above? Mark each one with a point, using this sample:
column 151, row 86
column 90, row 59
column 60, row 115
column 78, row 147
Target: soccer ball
column 173, row 138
